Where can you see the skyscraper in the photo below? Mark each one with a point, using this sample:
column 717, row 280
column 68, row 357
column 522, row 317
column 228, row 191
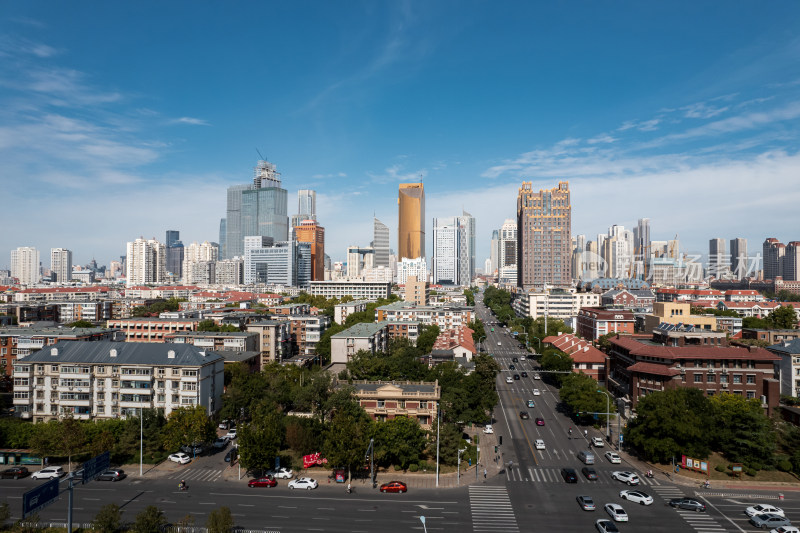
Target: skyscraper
column 282, row 263
column 257, row 209
column 173, row 236
column 739, row 265
column 25, row 265
column 507, row 261
column 61, row 264
column 791, row 262
column 174, row 255
column 494, row 252
column 544, row 236
column 773, row 253
column 446, row 248
column 642, row 251
column 411, row 221
column 314, row 234
column 306, row 207
column 380, row 243
column 467, row 224
column 146, row 262
column 717, row 261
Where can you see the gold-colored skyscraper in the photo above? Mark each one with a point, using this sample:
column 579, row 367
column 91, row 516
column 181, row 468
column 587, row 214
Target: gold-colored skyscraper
column 411, row 221
column 544, row 237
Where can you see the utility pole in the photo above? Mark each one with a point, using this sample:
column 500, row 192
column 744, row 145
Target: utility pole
column 438, row 429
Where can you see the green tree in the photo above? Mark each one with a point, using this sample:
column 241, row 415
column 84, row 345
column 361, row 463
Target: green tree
column 478, row 330
column 72, row 438
column 449, row 442
column 470, row 294
column 220, row 521
column 108, row 519
column 347, row 434
column 399, row 441
column 315, row 394
column 80, row 324
column 581, row 393
column 558, row 362
column 323, row 347
column 427, row 337
column 188, row 425
column 753, row 322
column 45, row 439
column 261, row 438
column 303, row 435
column 672, row 423
column 27, row 525
column 150, row 520
column 782, row 317
column 5, row 514
column 741, row 431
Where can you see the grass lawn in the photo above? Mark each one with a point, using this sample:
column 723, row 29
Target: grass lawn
column 717, row 459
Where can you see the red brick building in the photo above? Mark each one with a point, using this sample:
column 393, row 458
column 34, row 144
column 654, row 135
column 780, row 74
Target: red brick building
column 594, row 322
column 586, row 358
column 638, row 367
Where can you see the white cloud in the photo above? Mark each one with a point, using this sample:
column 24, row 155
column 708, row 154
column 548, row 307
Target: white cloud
column 397, row 173
column 702, row 110
column 191, row 121
column 603, row 138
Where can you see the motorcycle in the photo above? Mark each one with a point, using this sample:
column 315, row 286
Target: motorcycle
column 649, row 474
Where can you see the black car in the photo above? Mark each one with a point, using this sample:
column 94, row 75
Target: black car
column 524, row 374
column 194, row 449
column 524, row 415
column 688, row 503
column 512, row 367
column 516, row 376
column 589, row 473
column 15, row 472
column 514, row 359
column 231, row 455
column 113, row 474
column 569, row 475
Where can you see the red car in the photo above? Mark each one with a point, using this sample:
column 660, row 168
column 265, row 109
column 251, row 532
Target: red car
column 394, row 486
column 268, row 481
column 539, row 421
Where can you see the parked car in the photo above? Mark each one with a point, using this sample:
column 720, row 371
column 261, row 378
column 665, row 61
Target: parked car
column 636, row 496
column 49, row 472
column 569, row 475
column 180, row 458
column 15, row 472
column 616, row 512
column 112, row 474
column 220, row 443
column 597, row 442
column 613, row 458
column 267, row 481
column 281, row 473
column 394, row 486
column 769, row 520
column 606, row 526
column 303, row 483
column 488, row 429
column 586, row 503
column 512, row 367
column 231, row 455
column 763, row 509
column 514, row 359
column 626, row 477
column 231, row 434
column 689, row 504
column 193, row 449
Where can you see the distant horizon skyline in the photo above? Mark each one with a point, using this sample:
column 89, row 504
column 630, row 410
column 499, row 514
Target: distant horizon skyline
column 693, row 122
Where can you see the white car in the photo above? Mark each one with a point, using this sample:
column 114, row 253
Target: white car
column 539, row 444
column 613, row 458
column 626, row 477
column 509, row 380
column 522, row 358
column 281, row 473
column 49, row 472
column 488, row 429
column 499, row 343
column 536, row 376
column 303, row 483
column 785, row 529
column 231, row 434
column 636, row 496
column 536, row 392
column 597, row 442
column 180, row 458
column 762, row 508
column 616, row 512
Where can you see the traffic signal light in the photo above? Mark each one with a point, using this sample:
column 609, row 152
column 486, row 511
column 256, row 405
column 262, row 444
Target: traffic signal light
column 500, row 437
column 495, row 449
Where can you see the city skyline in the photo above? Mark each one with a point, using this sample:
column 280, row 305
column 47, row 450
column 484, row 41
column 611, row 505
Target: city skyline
column 142, row 141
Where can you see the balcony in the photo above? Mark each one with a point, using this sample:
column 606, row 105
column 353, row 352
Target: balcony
column 128, row 390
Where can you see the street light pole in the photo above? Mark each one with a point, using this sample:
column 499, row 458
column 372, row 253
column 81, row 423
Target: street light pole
column 608, row 411
column 141, row 439
column 458, row 476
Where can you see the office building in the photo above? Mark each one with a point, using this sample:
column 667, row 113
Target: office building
column 359, row 290
column 717, row 260
column 174, row 255
column 310, row 232
column 411, row 221
column 259, row 209
column 61, row 264
column 306, row 208
column 494, row 253
column 173, row 237
column 454, row 250
column 791, row 262
column 380, row 244
column 507, row 253
column 229, row 272
column 739, row 264
column 467, row 253
column 642, row 249
column 773, row 253
column 103, row 380
column 25, row 265
column 412, row 267
column 359, row 259
column 146, row 262
column 544, row 237
column 282, row 263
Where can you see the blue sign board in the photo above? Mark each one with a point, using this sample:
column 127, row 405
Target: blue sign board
column 96, row 466
column 40, row 497
column 620, row 438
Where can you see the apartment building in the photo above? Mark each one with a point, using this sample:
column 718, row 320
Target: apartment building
column 594, row 322
column 407, row 330
column 95, row 380
column 342, row 311
column 372, row 337
column 273, row 340
column 445, row 316
column 554, row 303
column 216, row 341
column 17, row 343
column 360, row 290
column 678, row 312
column 789, row 366
column 151, row 329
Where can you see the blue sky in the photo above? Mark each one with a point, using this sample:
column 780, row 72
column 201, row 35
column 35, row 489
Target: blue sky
column 120, row 120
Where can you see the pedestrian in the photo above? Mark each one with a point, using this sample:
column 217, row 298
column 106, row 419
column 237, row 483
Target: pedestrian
column 484, row 473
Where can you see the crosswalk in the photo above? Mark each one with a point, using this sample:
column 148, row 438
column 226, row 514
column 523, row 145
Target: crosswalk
column 700, row 522
column 197, row 474
column 491, row 510
column 553, row 475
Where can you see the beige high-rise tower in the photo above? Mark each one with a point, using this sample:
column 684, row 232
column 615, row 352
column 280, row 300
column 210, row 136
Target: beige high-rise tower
column 411, row 221
column 544, row 237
